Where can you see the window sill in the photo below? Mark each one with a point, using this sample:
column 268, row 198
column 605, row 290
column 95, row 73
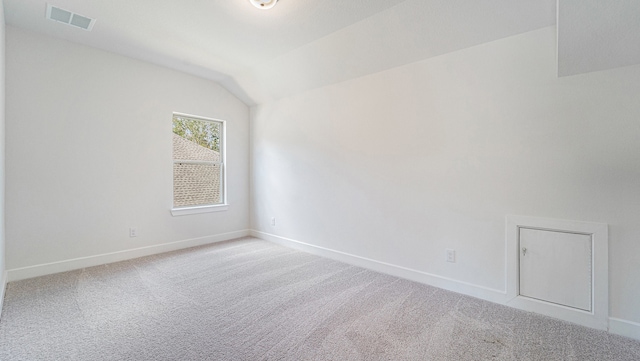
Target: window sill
column 197, row 210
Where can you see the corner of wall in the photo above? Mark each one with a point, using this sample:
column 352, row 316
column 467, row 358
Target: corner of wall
column 3, row 287
column 3, row 273
column 252, row 112
column 624, row 328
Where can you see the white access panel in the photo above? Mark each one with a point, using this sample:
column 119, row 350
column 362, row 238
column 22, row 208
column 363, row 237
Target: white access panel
column 556, row 267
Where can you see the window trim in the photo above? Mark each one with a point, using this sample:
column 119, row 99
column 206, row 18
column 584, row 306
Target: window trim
column 183, row 211
column 206, row 208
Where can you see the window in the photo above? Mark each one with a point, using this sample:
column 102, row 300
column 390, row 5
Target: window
column 198, row 165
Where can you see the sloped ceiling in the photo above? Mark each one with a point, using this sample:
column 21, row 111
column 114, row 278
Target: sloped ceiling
column 597, row 35
column 410, row 31
column 300, row 44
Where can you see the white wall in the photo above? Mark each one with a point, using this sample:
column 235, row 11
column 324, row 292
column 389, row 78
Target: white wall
column 89, row 152
column 400, row 165
column 2, row 167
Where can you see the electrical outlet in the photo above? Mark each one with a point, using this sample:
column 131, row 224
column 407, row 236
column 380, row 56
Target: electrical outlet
column 133, row 232
column 273, row 221
column 451, row 255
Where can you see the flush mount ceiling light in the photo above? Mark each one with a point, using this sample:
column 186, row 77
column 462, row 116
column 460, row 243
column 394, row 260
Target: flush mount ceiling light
column 263, row 4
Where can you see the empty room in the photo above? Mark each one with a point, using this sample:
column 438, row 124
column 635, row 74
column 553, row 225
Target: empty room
column 320, row 180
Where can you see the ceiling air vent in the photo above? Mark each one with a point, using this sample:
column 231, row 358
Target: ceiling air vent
column 69, row 18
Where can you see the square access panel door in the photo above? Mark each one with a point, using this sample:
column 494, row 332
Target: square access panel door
column 556, row 267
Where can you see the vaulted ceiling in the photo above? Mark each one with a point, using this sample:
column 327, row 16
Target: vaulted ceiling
column 302, row 44
column 597, row 35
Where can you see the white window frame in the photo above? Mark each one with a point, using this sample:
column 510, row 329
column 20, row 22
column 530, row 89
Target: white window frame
column 223, row 206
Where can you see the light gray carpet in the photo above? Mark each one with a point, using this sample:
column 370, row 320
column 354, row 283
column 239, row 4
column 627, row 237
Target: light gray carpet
column 253, row 300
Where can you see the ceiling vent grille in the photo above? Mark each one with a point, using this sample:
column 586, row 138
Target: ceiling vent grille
column 69, row 18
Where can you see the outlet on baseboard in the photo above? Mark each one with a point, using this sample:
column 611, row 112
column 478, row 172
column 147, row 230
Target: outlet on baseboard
column 451, row 255
column 133, row 232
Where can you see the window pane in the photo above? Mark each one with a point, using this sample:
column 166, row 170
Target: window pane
column 196, row 139
column 196, row 184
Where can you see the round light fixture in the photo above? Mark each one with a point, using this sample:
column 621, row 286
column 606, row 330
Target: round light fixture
column 263, row 4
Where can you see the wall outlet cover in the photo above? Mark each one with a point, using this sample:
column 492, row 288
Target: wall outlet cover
column 451, row 255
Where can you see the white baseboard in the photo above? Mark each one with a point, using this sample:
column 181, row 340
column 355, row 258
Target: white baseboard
column 17, row 274
column 616, row 326
column 3, row 284
column 485, row 293
column 624, row 328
